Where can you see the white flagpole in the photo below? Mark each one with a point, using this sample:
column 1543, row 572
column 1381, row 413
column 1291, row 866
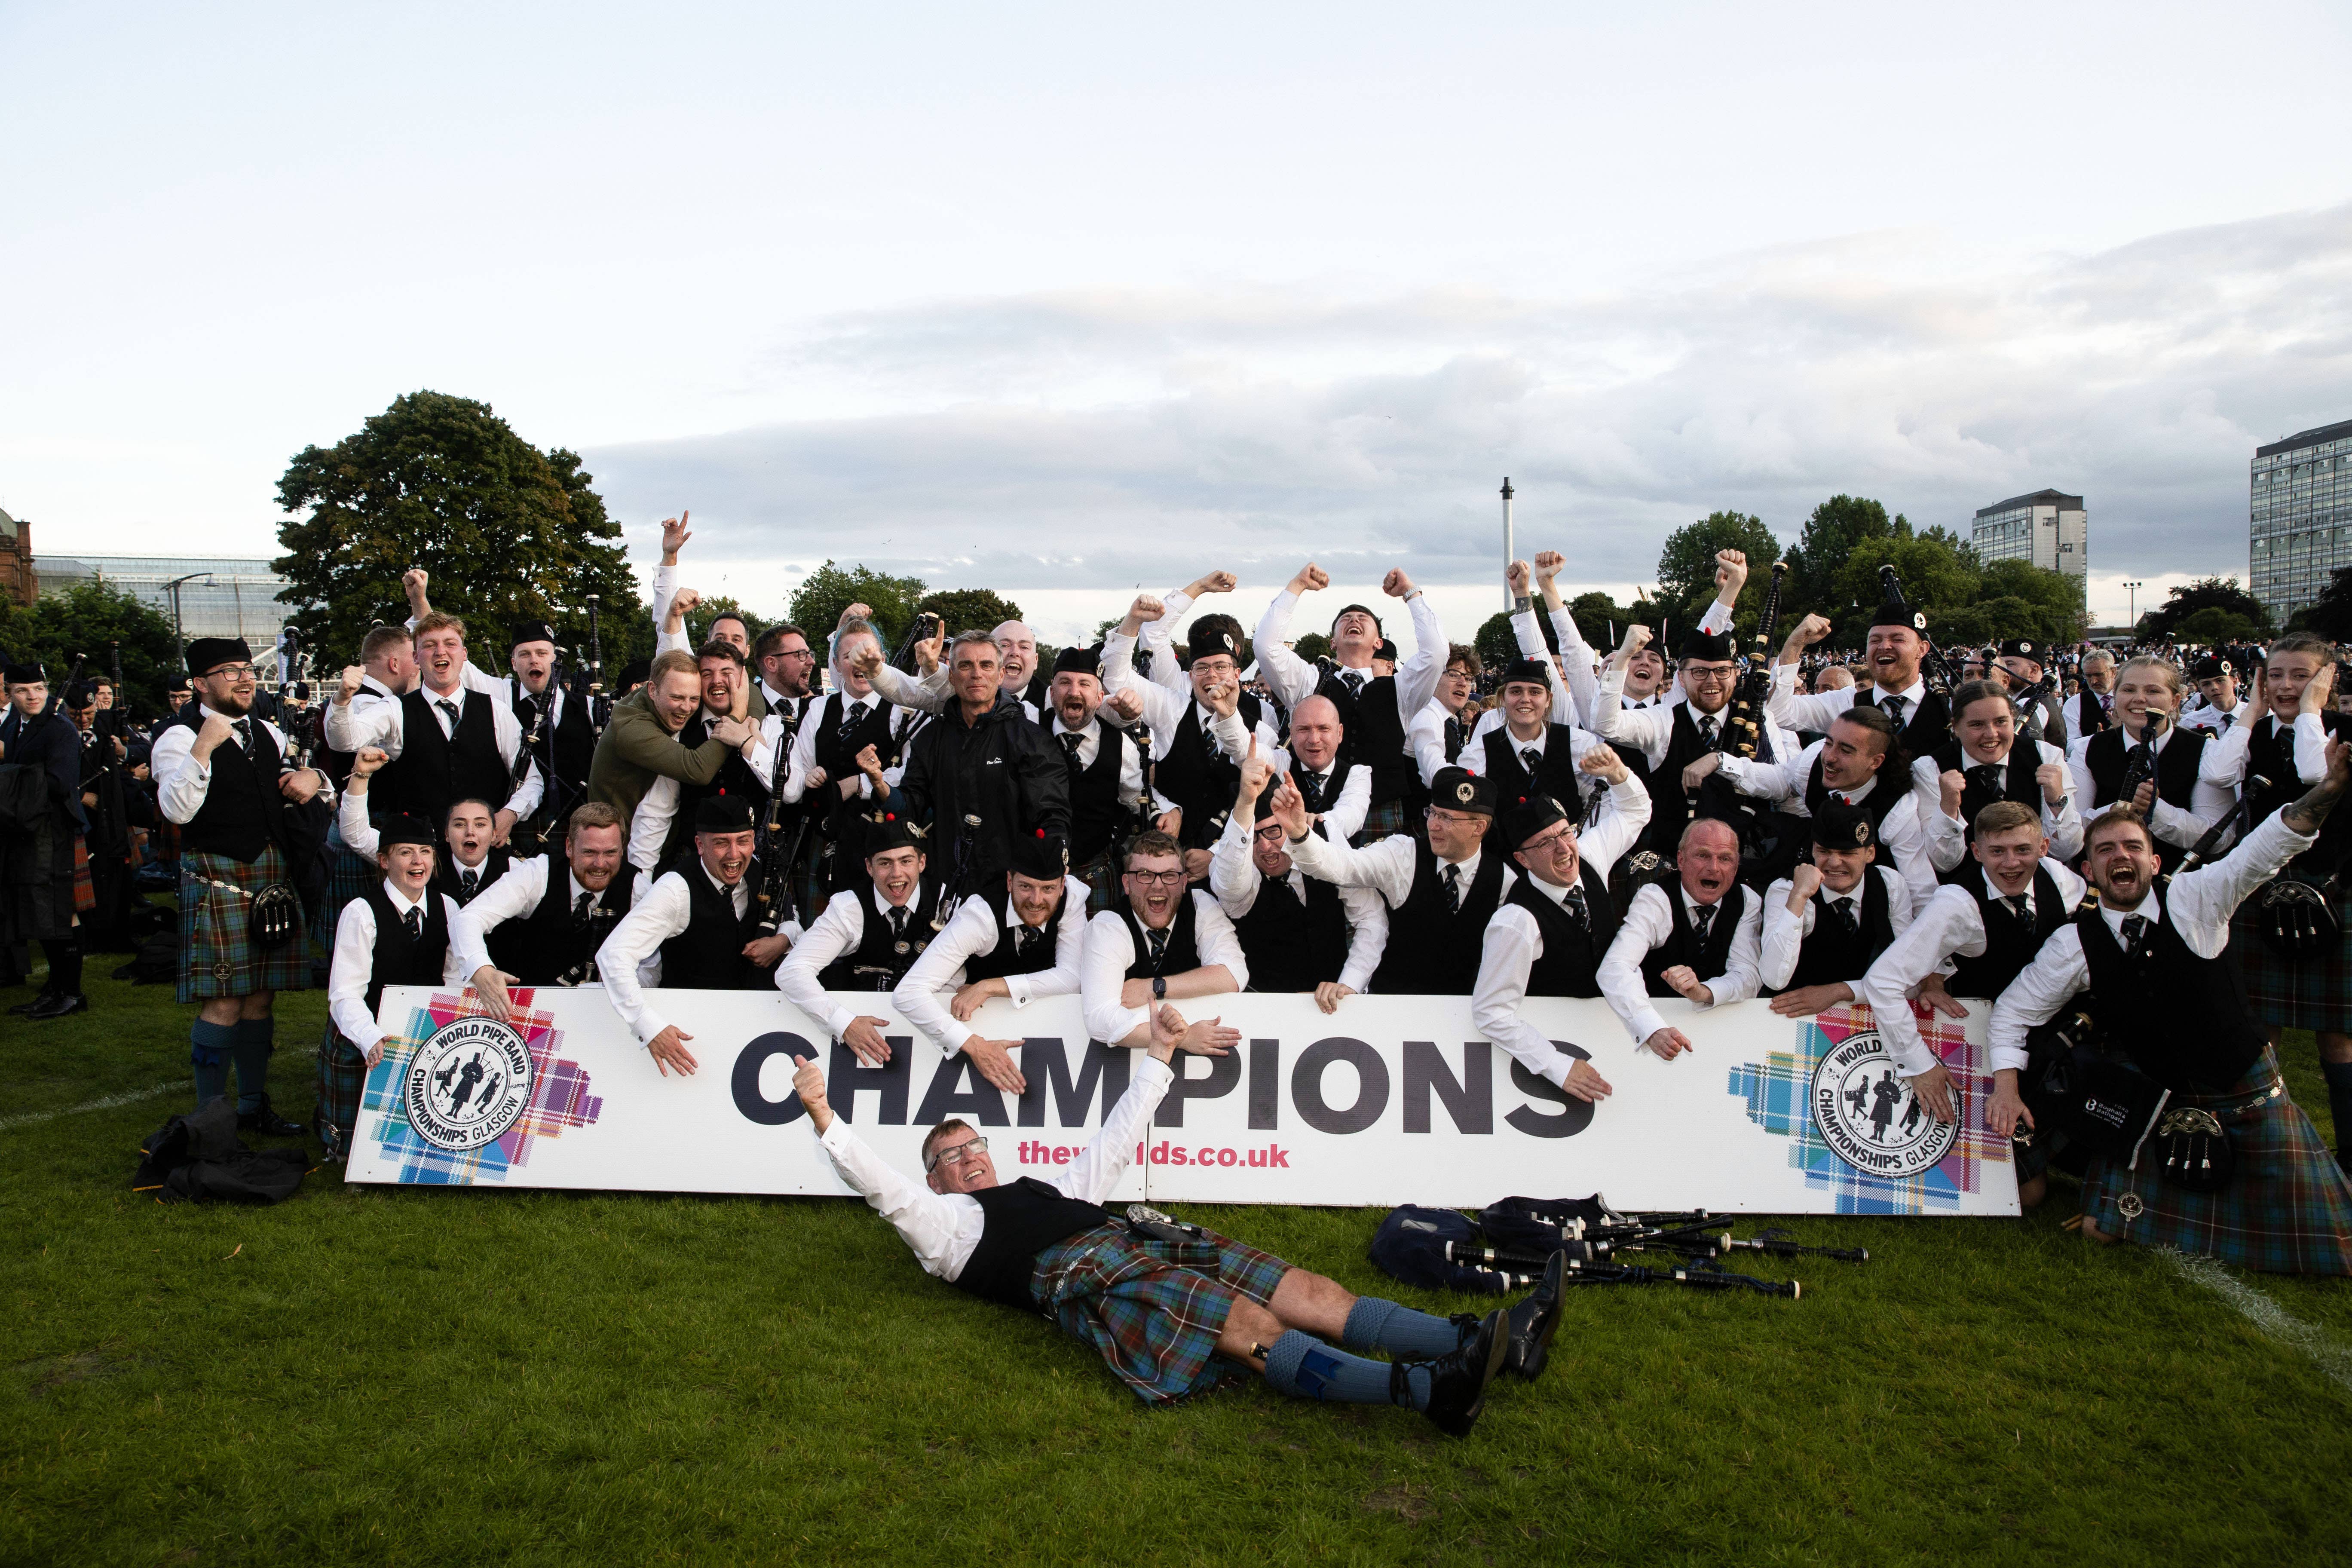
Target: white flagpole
column 1510, row 552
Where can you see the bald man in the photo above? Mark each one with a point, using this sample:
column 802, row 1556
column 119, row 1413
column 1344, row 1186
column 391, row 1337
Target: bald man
column 1338, row 794
column 1696, row 934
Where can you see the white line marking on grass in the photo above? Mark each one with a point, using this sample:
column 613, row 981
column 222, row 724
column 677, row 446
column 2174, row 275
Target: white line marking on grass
column 2273, row 1319
column 107, row 1103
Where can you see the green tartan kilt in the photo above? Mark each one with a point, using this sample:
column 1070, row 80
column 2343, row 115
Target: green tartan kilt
column 2288, row 1209
column 1154, row 1320
column 2313, row 994
column 1385, row 820
column 1102, row 882
column 217, row 955
column 342, row 1080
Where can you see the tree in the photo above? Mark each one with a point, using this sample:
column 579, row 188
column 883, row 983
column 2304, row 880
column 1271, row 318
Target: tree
column 1312, row 646
column 2214, row 625
column 708, row 614
column 2329, row 616
column 2204, row 593
column 82, row 622
column 818, row 601
column 1934, row 579
column 968, row 609
column 1828, row 536
column 1686, row 565
column 509, row 533
column 1496, row 642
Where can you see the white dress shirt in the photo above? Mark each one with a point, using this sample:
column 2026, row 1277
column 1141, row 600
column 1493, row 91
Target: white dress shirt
column 517, row 896
column 1949, row 924
column 1793, row 709
column 1651, row 730
column 830, row 713
column 1649, row 922
column 660, row 914
column 1902, row 840
column 1608, row 694
column 1293, row 680
column 1948, row 838
column 1426, row 739
column 2225, row 759
column 351, row 969
column 1090, row 739
column 836, row 931
column 2197, row 904
column 942, row 1229
column 973, row 931
column 1386, row 866
column 1344, row 811
column 351, row 725
column 1110, row 952
column 1578, row 696
column 2073, row 710
column 1513, row 943
column 1164, row 708
column 1235, row 878
column 182, row 782
column 1785, row 935
column 2209, row 802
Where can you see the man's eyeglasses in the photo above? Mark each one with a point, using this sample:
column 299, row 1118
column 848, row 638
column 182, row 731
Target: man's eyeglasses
column 1273, row 833
column 1709, row 672
column 955, row 1154
column 234, row 671
column 1163, row 878
column 1451, row 818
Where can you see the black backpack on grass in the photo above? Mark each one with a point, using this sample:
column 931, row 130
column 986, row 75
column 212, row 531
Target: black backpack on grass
column 200, row 1159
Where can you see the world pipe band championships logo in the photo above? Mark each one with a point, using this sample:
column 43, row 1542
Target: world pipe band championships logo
column 1871, row 1117
column 468, row 1083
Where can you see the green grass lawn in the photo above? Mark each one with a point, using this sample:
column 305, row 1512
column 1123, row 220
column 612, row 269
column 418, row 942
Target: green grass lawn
column 376, row 1374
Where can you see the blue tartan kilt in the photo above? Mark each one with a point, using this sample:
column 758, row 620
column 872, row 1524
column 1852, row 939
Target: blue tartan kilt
column 1153, row 1320
column 2313, row 994
column 1101, row 880
column 217, row 955
column 2288, row 1209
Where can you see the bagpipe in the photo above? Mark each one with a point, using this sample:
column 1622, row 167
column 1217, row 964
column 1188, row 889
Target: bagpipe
column 1939, row 670
column 1746, row 722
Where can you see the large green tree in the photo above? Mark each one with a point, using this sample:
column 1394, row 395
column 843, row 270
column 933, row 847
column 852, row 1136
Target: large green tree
column 818, row 601
column 2204, row 593
column 82, row 624
column 1828, row 537
column 1687, row 566
column 508, row 533
column 968, row 609
column 2330, row 615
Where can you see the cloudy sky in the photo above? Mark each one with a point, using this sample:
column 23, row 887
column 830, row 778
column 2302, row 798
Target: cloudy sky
column 1064, row 302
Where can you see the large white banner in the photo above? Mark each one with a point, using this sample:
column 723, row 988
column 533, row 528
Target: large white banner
column 1391, row 1099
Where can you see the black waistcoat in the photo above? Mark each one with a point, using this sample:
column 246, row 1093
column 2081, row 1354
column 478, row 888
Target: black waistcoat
column 434, row 770
column 2109, row 753
column 2090, row 713
column 445, row 874
column 565, row 754
column 1831, row 954
column 1094, row 809
column 1433, row 951
column 1556, row 776
column 837, row 753
column 2009, row 947
column 877, row 962
column 1372, row 730
column 707, row 956
column 1004, row 958
column 735, row 776
column 1203, row 785
column 2183, row 1019
column 1926, row 723
column 1021, row 1219
column 243, row 810
column 545, row 947
column 1670, row 809
column 1292, row 946
column 397, row 959
column 1571, row 962
column 1707, row 959
column 2270, row 754
column 1182, row 953
column 2018, row 783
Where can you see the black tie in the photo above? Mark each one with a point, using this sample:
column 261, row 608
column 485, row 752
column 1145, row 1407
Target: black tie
column 2019, row 908
column 580, row 910
column 1706, row 732
column 1452, row 739
column 852, row 715
column 1310, row 786
column 1702, row 920
column 416, row 919
column 1071, row 740
column 898, row 924
column 1025, row 940
column 468, row 881
column 1355, row 680
column 1454, row 889
column 1844, row 909
column 449, row 709
column 1157, row 941
column 2226, row 720
column 1895, row 706
column 2134, row 935
column 1573, row 902
column 1531, row 760
column 1986, row 776
column 245, row 736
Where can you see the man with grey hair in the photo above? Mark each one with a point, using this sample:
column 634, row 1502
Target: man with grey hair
column 982, row 773
column 846, row 753
column 2092, row 709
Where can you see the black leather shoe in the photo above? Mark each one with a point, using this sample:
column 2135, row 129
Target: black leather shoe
column 1457, row 1391
column 64, row 1004
column 265, row 1122
column 24, row 1009
column 1534, row 1319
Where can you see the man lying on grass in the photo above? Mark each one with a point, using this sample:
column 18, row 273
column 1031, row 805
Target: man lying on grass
column 1173, row 1310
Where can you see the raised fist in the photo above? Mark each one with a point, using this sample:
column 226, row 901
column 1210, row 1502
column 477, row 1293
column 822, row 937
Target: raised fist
column 1311, row 579
column 1396, row 584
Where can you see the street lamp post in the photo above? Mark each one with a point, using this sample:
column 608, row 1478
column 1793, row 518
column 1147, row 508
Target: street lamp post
column 172, row 588
column 2132, row 591
column 1510, row 600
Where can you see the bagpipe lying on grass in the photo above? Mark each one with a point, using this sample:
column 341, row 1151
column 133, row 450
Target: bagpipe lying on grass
column 1507, row 1246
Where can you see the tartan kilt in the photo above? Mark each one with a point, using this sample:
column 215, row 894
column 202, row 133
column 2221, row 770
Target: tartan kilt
column 85, row 886
column 342, row 1080
column 217, row 957
column 1101, row 879
column 2288, row 1209
column 1151, row 1319
column 1385, row 820
column 2313, row 994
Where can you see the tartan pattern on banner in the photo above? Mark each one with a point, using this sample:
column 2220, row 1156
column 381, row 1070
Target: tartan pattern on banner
column 217, row 957
column 2287, row 1210
column 559, row 1097
column 1154, row 1322
column 2313, row 994
column 1779, row 1095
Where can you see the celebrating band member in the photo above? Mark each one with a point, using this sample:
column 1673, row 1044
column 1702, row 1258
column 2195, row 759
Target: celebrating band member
column 869, row 936
column 446, row 741
column 1985, row 760
column 1164, row 941
column 1826, row 923
column 1696, row 935
column 2146, row 747
column 1297, row 933
column 1025, row 940
column 848, row 754
column 642, row 743
column 1897, row 643
column 546, row 930
column 472, row 862
column 1104, row 768
column 557, row 729
column 2217, row 696
column 1172, row 1308
column 662, row 829
column 1439, row 735
column 2169, row 1000
column 1857, row 763
column 220, row 774
column 2092, row 709
column 1199, row 739
column 1550, row 935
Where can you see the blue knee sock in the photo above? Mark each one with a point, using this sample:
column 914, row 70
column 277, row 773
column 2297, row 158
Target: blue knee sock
column 255, row 1038
column 1392, row 1326
column 2339, row 1104
column 208, row 1048
column 1304, row 1367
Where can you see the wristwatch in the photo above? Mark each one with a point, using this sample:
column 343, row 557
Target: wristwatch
column 1160, row 988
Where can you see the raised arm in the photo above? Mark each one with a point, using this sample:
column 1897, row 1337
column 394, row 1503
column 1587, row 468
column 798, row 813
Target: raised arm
column 1290, row 677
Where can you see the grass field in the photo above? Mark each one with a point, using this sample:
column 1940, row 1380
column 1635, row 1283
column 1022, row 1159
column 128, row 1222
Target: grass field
column 379, row 1376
